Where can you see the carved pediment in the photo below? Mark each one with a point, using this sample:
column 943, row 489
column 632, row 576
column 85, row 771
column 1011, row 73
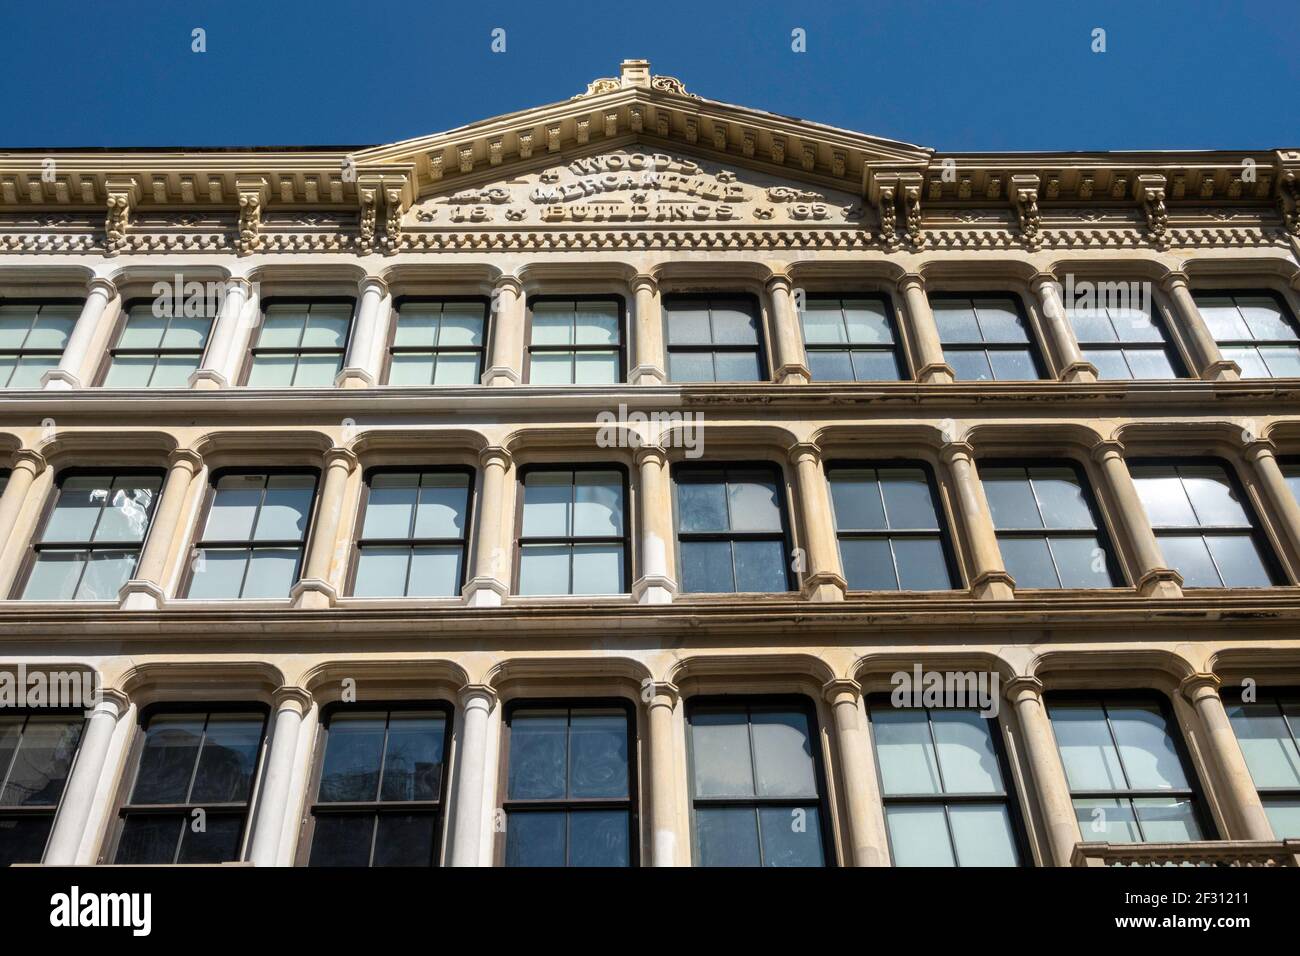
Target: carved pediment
column 638, row 185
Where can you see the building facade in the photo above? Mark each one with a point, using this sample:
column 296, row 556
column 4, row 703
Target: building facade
column 647, row 480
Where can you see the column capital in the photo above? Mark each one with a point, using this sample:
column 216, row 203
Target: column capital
column 111, row 702
column 804, row 450
column 1176, row 279
column 372, row 284
column 952, row 451
column 292, row 698
column 1257, row 448
column 910, row 280
column 646, row 453
column 472, row 692
column 779, row 280
column 495, row 455
column 28, row 458
column 339, row 456
column 662, row 693
column 508, row 283
column 643, row 280
column 1107, row 448
column 241, row 284
column 1022, row 687
column 185, row 458
column 842, row 690
column 1040, row 280
column 104, row 286
column 1196, row 686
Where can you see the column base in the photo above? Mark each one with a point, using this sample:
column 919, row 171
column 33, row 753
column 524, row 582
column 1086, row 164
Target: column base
column 354, row 378
column 994, row 586
column 313, row 594
column 501, row 376
column 793, row 375
column 208, row 379
column 647, row 375
column 1161, row 583
column 824, row 586
column 485, row 591
column 1079, row 372
column 59, row 380
column 1224, row 370
column 654, row 589
column 936, row 373
column 139, row 595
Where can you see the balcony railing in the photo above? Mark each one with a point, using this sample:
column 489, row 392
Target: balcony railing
column 1202, row 853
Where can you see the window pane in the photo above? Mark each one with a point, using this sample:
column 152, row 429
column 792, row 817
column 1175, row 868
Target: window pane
column 381, row 572
column 405, row 839
column 1087, row 750
column 77, row 510
column 411, row 369
column 1029, row 562
column 457, row 368
column 285, row 508
column 1082, row 563
column 327, row 327
column 171, row 746
column 1000, row 321
column 983, row 835
column 391, row 505
column 1010, row 497
column 688, row 323
column 1163, row 497
column 234, row 508
column 783, row 758
column 823, row 322
column 908, row 501
column 27, row 373
column 538, row 755
column 217, row 843
column 271, row 574
column 228, row 759
column 969, row 366
column 1282, row 361
column 754, row 505
column 417, row 325
column 149, row 839
column 1264, row 317
column 1283, row 817
column 1166, row 819
column 736, row 367
column 553, row 323
column 856, row 498
column 956, row 321
column 596, row 323
column 1252, row 365
column 316, row 371
column 720, row 754
column 544, row 569
column 734, row 323
column 1091, row 325
column 435, row 572
column 702, row 506
column 1105, row 819
column 462, row 324
column 1240, row 563
column 727, row 836
column 187, row 332
column 690, row 366
column 760, row 566
column 1146, row 748
column 595, row 368
column 1221, row 315
column 1111, row 365
column 598, row 503
column 174, row 371
column 966, row 755
column 876, row 366
column 1189, row 557
column 54, row 576
column 39, row 770
column 23, row 839
column 598, row 765
column 342, row 840
column 413, row 758
column 143, row 330
column 706, row 567
column 551, row 368
column 548, row 499
column 598, row 569
column 791, row 836
column 1213, row 497
column 1150, row 363
column 868, row 564
column 1060, row 498
column 918, row 836
column 282, row 327
column 218, row 574
column 905, row 750
column 536, row 838
column 1013, row 365
column 130, row 371
column 353, row 749
column 921, row 564
column 1266, row 744
column 105, row 574
column 126, row 516
column 52, row 327
column 868, row 322
column 598, row 838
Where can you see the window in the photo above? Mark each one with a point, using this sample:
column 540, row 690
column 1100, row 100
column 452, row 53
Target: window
column 756, row 783
column 576, row 342
column 191, row 766
column 1254, row 329
column 300, row 344
column 32, row 337
column 438, row 342
column 1201, row 522
column 1046, row 522
column 1268, row 731
column 713, row 340
column 379, row 797
column 851, row 339
column 887, row 522
column 36, row 752
column 154, row 351
column 1124, row 343
column 731, row 529
column 985, row 338
column 1125, row 768
column 91, row 537
column 943, row 780
column 572, row 532
column 412, row 540
column 252, row 542
column 569, row 785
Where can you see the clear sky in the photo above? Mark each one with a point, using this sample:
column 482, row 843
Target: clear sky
column 992, row 75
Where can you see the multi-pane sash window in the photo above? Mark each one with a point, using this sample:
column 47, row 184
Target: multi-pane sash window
column 90, row 541
column 731, row 529
column 755, row 784
column 576, row 342
column 573, row 532
column 943, row 780
column 32, row 337
column 412, row 540
column 887, row 522
column 851, row 339
column 1128, row 779
column 379, row 801
column 1047, row 526
column 156, row 351
column 986, row 338
column 438, row 343
column 36, row 753
column 252, row 541
column 1124, row 343
column 300, row 344
column 189, row 797
column 1203, row 526
column 1254, row 329
column 569, row 785
column 1268, row 730
column 713, row 340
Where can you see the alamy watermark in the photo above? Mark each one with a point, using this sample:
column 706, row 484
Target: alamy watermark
column 969, row 690
column 624, row 429
column 21, row 687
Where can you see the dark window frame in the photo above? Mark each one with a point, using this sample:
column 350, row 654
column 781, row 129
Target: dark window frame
column 37, row 301
column 530, row 348
column 35, row 545
column 359, row 523
column 759, row 348
column 42, row 810
column 1167, row 344
column 1283, row 303
column 944, row 531
column 896, row 349
column 1008, row 797
column 205, row 510
column 252, row 350
column 119, row 326
column 438, row 808
column 1279, row 697
column 800, row 702
column 1034, row 342
column 391, row 348
column 631, row 803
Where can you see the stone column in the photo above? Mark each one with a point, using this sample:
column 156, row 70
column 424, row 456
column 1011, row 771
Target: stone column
column 656, row 585
column 365, row 351
column 787, row 340
column 1202, row 691
column 1154, row 578
column 663, row 773
column 25, row 466
column 489, row 586
column 476, row 702
column 1214, row 367
column 649, row 345
column 854, row 754
column 990, row 580
column 508, row 306
column 1056, row 325
column 289, row 707
column 146, row 591
column 71, row 371
column 1263, row 455
column 823, row 577
column 213, row 373
column 927, row 351
column 314, row 589
column 84, row 781
column 1026, row 695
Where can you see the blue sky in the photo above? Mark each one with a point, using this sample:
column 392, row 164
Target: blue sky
column 952, row 75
